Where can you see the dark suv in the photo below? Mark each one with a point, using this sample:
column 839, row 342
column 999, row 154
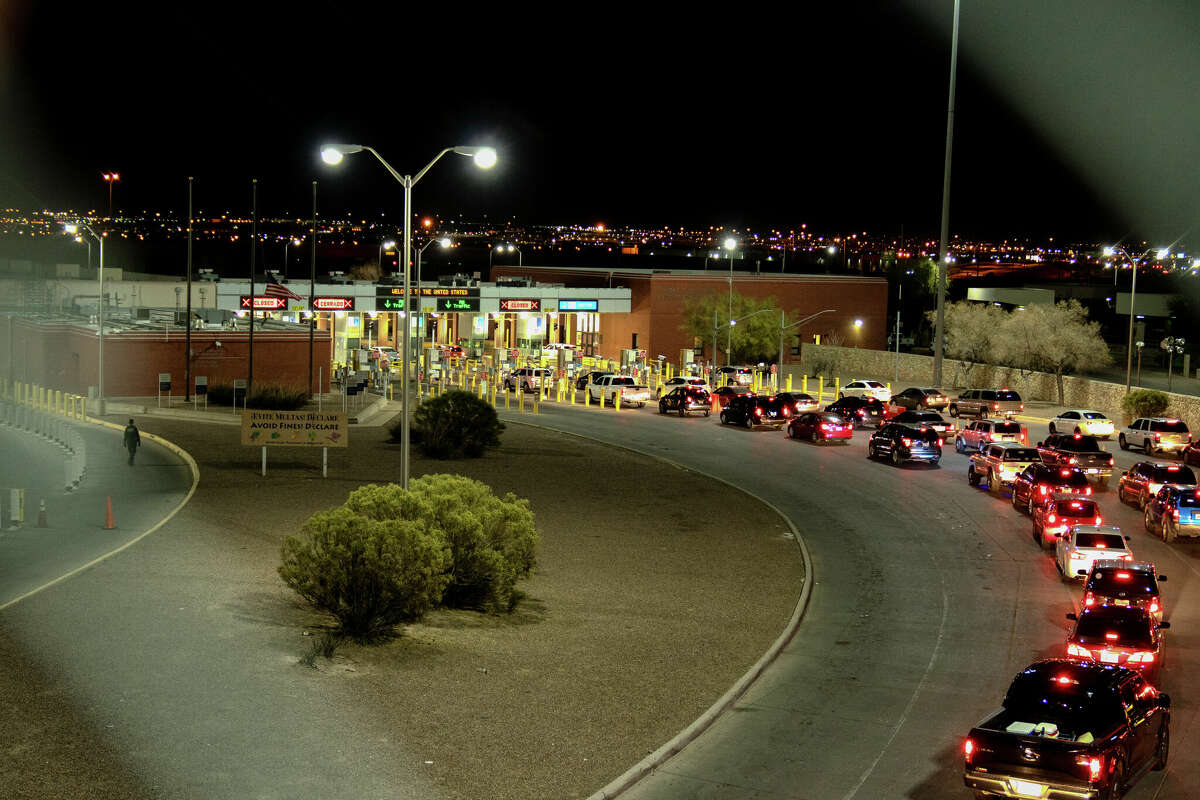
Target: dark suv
column 1040, row 483
column 1124, row 583
column 1143, row 480
column 684, row 399
column 905, row 443
column 755, row 409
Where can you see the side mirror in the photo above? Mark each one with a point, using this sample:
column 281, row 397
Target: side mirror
column 1164, row 701
column 1162, row 577
column 1129, row 538
column 1072, row 616
column 1164, row 625
column 1081, row 572
column 1040, row 444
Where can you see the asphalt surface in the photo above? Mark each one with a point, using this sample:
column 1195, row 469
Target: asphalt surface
column 929, row 597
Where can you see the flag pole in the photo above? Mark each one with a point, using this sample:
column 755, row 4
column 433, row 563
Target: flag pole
column 253, row 238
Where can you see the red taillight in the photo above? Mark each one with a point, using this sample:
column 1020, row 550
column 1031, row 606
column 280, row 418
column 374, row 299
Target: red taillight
column 906, row 442
column 1099, row 519
column 1175, row 514
column 1044, row 490
column 968, row 750
column 1078, row 652
column 1153, row 606
column 1122, row 576
column 995, row 407
column 1095, row 768
column 1143, row 657
column 797, row 407
column 1158, row 437
column 1088, row 491
column 1072, row 460
column 1112, row 637
column 825, row 426
column 1053, row 519
column 1110, row 461
column 941, row 442
column 1089, row 599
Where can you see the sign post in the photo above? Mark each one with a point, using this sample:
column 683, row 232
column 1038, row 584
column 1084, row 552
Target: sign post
column 164, row 385
column 239, row 384
column 202, row 389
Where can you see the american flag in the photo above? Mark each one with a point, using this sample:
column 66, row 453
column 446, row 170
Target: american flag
column 279, row 290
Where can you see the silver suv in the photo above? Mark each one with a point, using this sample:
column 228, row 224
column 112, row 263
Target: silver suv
column 527, row 379
column 985, row 403
column 1155, row 435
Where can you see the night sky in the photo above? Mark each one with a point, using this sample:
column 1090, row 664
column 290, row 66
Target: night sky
column 1075, row 119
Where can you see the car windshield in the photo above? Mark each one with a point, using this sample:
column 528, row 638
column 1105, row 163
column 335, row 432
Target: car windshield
column 768, row 403
column 1075, row 508
column 1109, row 626
column 1083, row 444
column 1128, row 582
column 1020, row 454
column 1007, row 427
column 1169, row 426
column 874, row 384
column 622, row 381
column 1005, row 394
column 925, row 416
column 832, row 419
column 1173, row 474
column 1093, row 415
column 1189, row 501
column 1100, row 540
column 916, row 433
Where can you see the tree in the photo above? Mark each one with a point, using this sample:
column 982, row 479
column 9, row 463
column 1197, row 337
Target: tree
column 971, row 333
column 754, row 338
column 1058, row 339
column 454, row 423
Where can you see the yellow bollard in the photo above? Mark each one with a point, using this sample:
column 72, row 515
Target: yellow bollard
column 587, row 397
column 535, row 405
column 602, row 397
column 83, row 408
column 804, row 383
column 58, row 402
column 789, row 381
column 507, row 399
column 617, row 400
column 821, row 389
column 520, row 400
column 571, row 389
column 837, row 387
column 889, row 387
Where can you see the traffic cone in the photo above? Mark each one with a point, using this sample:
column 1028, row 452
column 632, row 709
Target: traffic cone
column 108, row 515
column 41, row 523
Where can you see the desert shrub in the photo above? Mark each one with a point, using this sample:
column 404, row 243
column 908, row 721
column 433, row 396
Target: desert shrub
column 1145, row 403
column 370, row 573
column 493, row 540
column 277, row 397
column 452, row 424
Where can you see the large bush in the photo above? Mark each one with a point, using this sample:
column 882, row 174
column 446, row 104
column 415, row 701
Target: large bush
column 368, row 572
column 1145, row 403
column 493, row 540
column 452, row 424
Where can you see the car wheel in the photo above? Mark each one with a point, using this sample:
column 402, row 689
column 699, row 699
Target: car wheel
column 724, row 418
column 1143, row 500
column 1037, row 534
column 1052, row 431
column 1148, row 447
column 1102, row 483
column 1062, row 573
column 994, row 486
column 1029, row 504
column 1163, row 748
column 682, row 411
column 1168, row 530
column 706, row 413
column 1078, row 432
column 870, row 449
column 790, row 432
column 1124, row 445
column 841, row 395
column 1146, row 521
column 952, row 411
column 896, row 460
column 748, row 423
column 959, row 447
column 1116, row 782
column 816, row 437
column 1016, row 504
column 972, row 477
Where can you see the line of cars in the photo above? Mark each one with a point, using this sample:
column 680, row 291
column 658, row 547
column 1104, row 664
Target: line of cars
column 1091, row 722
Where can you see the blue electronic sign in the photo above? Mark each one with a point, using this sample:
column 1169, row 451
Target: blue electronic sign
column 578, row 305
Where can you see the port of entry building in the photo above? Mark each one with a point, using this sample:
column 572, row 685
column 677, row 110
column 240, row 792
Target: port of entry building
column 658, row 298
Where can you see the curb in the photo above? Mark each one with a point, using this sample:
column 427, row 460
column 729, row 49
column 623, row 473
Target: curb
column 689, row 734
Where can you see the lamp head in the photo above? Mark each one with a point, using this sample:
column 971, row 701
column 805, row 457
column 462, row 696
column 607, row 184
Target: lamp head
column 295, row 242
column 333, row 153
column 389, row 244
column 730, row 243
column 1163, row 253
column 485, row 157
column 1110, row 250
column 71, row 228
column 445, row 241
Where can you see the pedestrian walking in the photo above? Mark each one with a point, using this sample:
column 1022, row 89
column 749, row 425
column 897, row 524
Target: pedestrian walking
column 133, row 440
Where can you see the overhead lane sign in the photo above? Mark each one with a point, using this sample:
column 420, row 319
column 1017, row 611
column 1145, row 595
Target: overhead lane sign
column 262, row 303
column 578, row 305
column 520, row 304
column 333, row 304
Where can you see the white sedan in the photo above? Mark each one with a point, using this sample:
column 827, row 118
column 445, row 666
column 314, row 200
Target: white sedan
column 1075, row 550
column 860, row 388
column 682, row 380
column 1085, row 421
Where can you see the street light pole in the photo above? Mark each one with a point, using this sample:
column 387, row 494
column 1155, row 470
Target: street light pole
column 939, row 333
column 484, row 157
column 730, row 244
column 388, row 245
column 784, row 328
column 420, row 310
column 1113, row 250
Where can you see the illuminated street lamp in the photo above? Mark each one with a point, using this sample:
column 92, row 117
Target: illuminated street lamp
column 1113, row 250
column 730, row 245
column 388, row 245
column 78, row 229
column 485, row 157
column 504, row 248
column 290, row 242
column 444, row 242
column 783, row 328
column 110, row 178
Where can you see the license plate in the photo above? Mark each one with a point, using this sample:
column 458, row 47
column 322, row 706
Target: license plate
column 1120, row 602
column 1027, row 788
column 1108, row 658
column 1093, row 471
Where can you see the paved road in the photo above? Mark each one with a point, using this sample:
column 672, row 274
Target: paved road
column 929, row 597
column 75, row 535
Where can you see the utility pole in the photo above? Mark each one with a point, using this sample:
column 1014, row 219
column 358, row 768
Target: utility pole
column 939, row 333
column 187, row 320
column 253, row 239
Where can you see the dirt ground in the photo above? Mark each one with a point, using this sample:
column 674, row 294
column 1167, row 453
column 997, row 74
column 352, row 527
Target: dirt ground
column 640, row 614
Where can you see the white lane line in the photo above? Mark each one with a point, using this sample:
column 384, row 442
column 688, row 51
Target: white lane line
column 912, row 701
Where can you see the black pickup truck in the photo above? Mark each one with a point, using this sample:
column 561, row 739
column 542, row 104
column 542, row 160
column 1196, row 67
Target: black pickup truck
column 1069, row 730
column 1079, row 451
